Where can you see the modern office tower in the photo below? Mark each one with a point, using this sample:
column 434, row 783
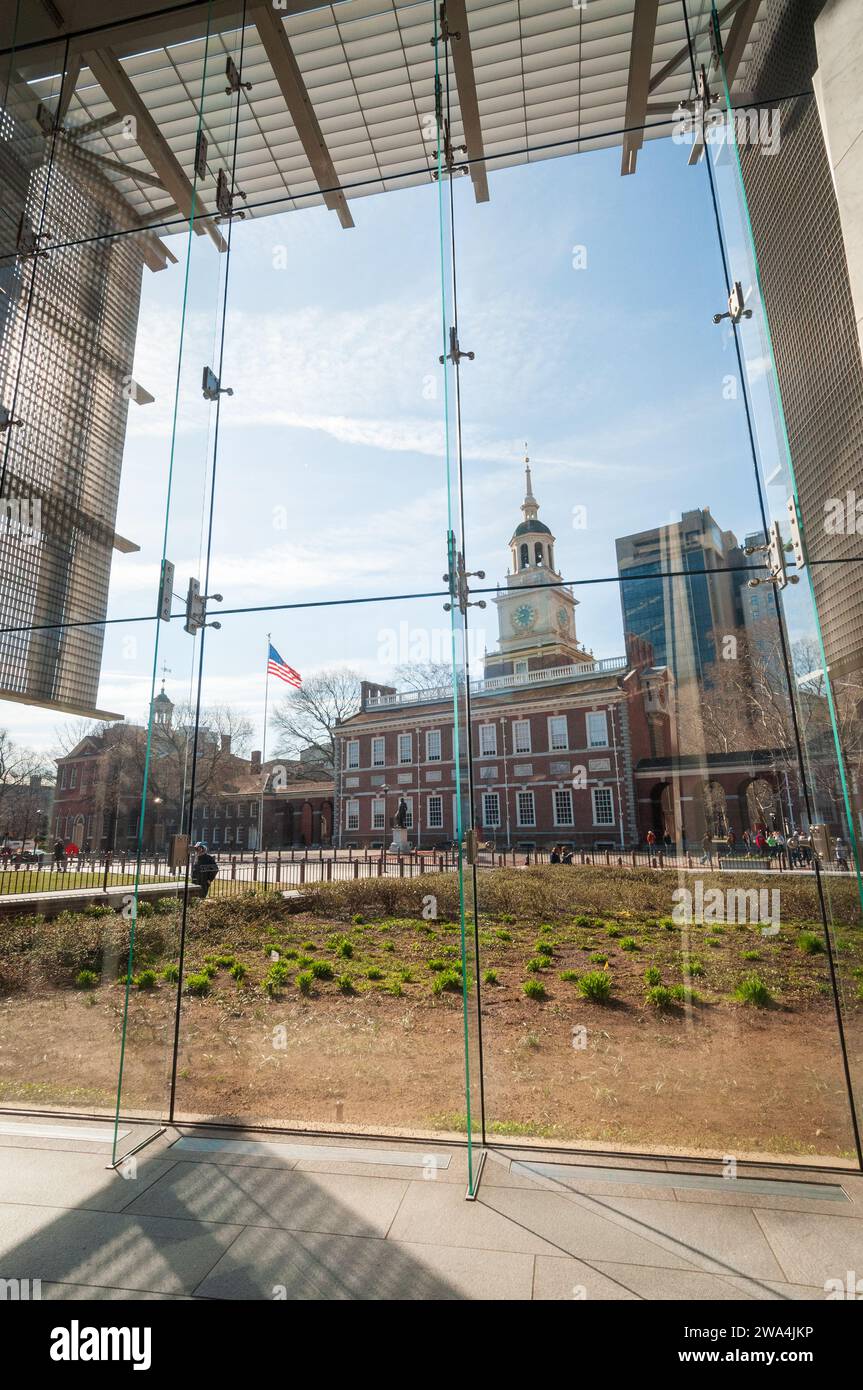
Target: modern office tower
column 678, row 591
column 806, row 238
column 68, row 322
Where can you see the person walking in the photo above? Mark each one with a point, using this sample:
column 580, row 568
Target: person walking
column 840, row 852
column 204, row 869
column 707, row 849
column 59, row 855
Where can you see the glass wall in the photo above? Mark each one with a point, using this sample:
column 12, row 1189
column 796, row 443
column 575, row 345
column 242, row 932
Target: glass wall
column 427, row 671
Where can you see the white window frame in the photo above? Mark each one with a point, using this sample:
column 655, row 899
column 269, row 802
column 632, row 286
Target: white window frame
column 353, row 753
column 520, row 668
column 488, row 735
column 63, row 775
column 73, row 776
column 519, row 814
column 566, row 795
column 489, row 799
column 379, row 745
column 593, row 716
column 240, row 832
column 518, row 741
column 434, row 740
column 435, row 799
column 601, row 793
column 217, row 835
column 352, row 814
column 556, row 719
column 409, row 822
column 405, row 741
column 379, row 813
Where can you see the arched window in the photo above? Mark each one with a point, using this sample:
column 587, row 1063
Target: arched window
column 538, row 552
column 525, row 556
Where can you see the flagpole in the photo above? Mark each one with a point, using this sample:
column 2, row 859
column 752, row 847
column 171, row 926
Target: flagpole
column 264, row 742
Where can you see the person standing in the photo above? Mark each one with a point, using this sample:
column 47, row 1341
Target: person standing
column 59, row 855
column 204, row 869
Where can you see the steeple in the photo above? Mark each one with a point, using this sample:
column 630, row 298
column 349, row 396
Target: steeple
column 530, row 506
column 163, row 709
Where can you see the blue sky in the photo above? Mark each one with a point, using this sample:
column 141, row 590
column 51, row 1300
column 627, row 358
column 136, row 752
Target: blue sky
column 331, row 467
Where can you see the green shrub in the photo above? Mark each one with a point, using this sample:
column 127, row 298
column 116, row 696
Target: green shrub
column 490, row 977
column 346, row 984
column 612, row 932
column 596, row 986
column 598, row 958
column 436, row 964
column 145, row 979
column 394, row 987
column 534, row 989
column 86, row 979
column 358, row 918
column 309, row 946
column 668, row 923
column 345, row 950
column 653, row 975
column 629, row 943
column 322, row 970
column 810, row 943
column 374, row 973
column 544, row 948
column 198, row 984
column 447, row 980
column 693, row 968
column 406, row 975
column 659, row 997
column 750, row 955
column 171, row 973
column 210, row 970
column 225, row 962
column 238, row 971
column 571, row 977
column 753, row 990
column 685, row 994
column 304, row 981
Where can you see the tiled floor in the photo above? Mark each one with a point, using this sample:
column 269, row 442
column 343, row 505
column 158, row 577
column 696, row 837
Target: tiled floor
column 294, row 1220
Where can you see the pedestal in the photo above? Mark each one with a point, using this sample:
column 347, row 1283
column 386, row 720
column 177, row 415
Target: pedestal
column 400, row 841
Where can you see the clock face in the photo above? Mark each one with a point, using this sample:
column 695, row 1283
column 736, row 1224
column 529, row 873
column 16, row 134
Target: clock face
column 524, row 617
column 562, row 617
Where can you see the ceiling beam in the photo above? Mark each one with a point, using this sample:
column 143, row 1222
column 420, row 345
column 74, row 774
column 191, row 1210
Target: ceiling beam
column 638, row 83
column 682, row 54
column 124, row 97
column 273, row 36
column 462, row 61
column 738, row 38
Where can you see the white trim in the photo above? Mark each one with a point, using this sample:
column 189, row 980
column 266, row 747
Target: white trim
column 558, row 747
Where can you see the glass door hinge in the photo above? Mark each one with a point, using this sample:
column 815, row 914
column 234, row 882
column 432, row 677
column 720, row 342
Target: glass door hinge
column 736, row 302
column 457, row 577
column 196, row 608
column 235, row 84
column 455, row 353
column 211, row 386
column 225, row 198
column 775, row 551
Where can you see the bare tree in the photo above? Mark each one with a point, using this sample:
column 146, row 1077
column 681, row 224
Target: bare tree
column 307, row 717
column 22, row 770
column 425, row 675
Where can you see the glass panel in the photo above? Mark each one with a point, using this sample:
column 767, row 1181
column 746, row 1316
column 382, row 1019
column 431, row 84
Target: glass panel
column 185, row 436
column 757, row 155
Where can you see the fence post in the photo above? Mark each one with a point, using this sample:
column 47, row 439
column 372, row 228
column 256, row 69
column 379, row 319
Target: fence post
column 329, row 870
column 302, row 871
column 254, row 868
column 356, row 868
column 279, row 868
column 233, row 866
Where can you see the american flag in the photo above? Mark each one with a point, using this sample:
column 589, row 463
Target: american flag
column 277, row 667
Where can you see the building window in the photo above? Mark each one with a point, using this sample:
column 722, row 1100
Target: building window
column 353, row 752
column 58, row 828
column 217, row 835
column 205, row 810
column 73, row 777
column 378, row 752
column 63, row 775
column 603, row 806
column 597, row 729
column 379, row 814
column 241, row 833
column 253, row 809
column 521, row 736
column 241, row 808
column 433, row 749
column 488, row 740
column 557, row 735
column 229, row 809
column 520, row 668
column 525, row 809
column 405, row 748
column 490, row 809
column 352, row 815
column 563, row 807
column 435, row 813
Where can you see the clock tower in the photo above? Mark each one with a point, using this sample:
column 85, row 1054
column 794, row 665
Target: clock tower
column 536, row 611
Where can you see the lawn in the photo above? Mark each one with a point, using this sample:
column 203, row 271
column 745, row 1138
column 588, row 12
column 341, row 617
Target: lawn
column 605, row 1022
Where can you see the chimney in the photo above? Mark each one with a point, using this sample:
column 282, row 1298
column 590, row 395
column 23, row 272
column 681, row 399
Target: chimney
column 226, row 743
column 369, row 690
column 256, row 760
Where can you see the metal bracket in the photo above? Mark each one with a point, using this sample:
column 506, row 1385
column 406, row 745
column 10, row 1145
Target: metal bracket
column 211, row 387
column 196, row 608
column 225, row 198
column 201, row 156
column 775, row 550
column 469, row 843
column 458, row 587
column 445, row 33
column 233, row 76
column 166, row 591
column 735, row 311
column 455, row 353
column 449, row 154
column 6, row 420
column 796, row 534
column 27, row 245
